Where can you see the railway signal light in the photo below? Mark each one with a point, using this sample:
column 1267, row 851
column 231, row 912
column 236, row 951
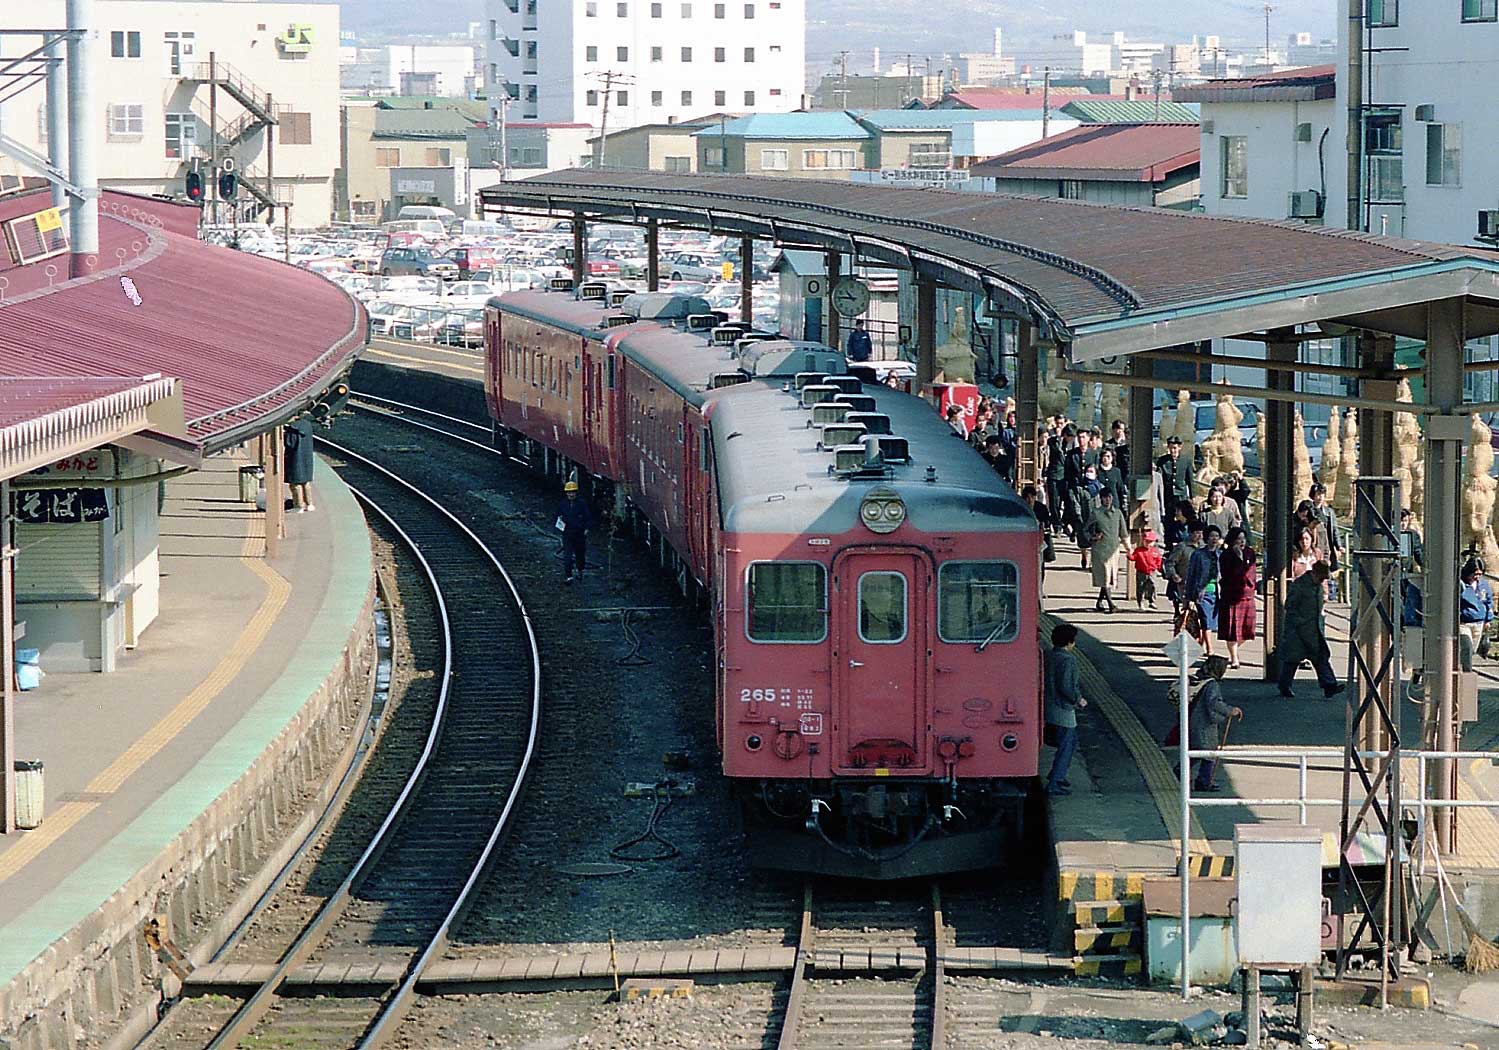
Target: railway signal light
column 334, row 400
column 228, row 185
column 195, row 186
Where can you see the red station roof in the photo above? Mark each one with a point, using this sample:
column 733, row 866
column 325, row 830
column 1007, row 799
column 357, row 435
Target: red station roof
column 252, row 339
column 43, row 418
column 1102, row 152
column 1307, row 84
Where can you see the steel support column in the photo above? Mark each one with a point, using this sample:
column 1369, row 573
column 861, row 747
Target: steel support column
column 580, row 250
column 272, row 456
column 1445, row 435
column 746, row 279
column 831, row 320
column 1141, row 423
column 1027, row 390
column 84, row 136
column 926, row 329
column 1277, row 470
column 7, row 668
column 652, row 255
column 57, row 115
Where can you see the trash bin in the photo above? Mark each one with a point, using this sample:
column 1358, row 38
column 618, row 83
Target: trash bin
column 28, row 669
column 28, row 795
column 249, row 483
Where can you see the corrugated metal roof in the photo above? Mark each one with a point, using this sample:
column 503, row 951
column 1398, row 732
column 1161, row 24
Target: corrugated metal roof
column 916, row 119
column 1078, row 264
column 44, row 418
column 421, row 124
column 251, row 338
column 470, row 108
column 1307, row 84
column 818, row 124
column 1101, row 152
column 1139, row 111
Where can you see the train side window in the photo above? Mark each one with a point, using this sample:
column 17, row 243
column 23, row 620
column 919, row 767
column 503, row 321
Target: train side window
column 882, row 608
column 978, row 601
column 611, row 371
column 707, row 450
column 787, row 602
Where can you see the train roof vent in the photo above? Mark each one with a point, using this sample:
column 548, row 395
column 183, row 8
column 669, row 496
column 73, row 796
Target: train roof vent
column 806, row 379
column 847, row 460
column 663, row 306
column 856, row 402
column 817, row 393
column 618, row 320
column 560, row 284
column 848, row 384
column 882, row 449
column 617, row 296
column 594, row 292
column 828, row 412
column 724, row 335
column 723, row 379
column 703, row 322
column 874, row 422
column 836, row 435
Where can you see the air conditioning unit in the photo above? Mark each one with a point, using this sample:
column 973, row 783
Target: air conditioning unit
column 1426, row 113
column 1306, row 204
column 1208, row 127
column 11, row 184
column 1488, row 223
column 37, row 236
column 1303, row 133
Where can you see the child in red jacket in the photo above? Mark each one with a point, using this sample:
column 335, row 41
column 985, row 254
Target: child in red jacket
column 1147, row 560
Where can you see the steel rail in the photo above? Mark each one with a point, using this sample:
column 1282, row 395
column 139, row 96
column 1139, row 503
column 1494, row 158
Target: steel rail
column 797, row 997
column 396, row 1005
column 938, row 970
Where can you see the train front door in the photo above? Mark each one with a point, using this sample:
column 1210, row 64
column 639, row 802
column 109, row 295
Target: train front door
column 880, row 670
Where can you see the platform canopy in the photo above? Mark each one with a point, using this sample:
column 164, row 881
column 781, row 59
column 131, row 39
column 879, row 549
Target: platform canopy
column 252, row 340
column 46, row 419
column 1102, row 281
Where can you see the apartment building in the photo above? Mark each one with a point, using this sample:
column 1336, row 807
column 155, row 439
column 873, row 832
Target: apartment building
column 622, row 63
column 184, row 83
column 1430, row 70
column 817, row 145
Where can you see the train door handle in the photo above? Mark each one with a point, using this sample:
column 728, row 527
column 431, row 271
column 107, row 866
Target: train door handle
column 855, row 663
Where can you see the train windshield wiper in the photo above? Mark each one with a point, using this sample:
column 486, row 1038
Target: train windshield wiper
column 998, row 629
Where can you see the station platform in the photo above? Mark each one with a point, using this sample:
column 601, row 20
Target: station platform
column 246, row 677
column 1120, row 824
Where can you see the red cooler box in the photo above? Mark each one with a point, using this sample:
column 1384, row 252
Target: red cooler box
column 964, row 395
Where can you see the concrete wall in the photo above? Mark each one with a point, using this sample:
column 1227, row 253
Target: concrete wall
column 747, row 155
column 647, row 148
column 892, row 149
column 1278, row 163
column 990, row 138
column 241, row 35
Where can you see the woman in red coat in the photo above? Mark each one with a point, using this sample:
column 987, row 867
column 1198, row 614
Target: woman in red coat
column 1237, row 582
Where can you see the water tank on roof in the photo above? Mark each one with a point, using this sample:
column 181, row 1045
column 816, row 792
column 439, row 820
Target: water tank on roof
column 663, row 306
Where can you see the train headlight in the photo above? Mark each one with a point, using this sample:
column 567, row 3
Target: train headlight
column 882, row 510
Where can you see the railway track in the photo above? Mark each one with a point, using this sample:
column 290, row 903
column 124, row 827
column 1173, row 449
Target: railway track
column 394, row 911
column 868, row 970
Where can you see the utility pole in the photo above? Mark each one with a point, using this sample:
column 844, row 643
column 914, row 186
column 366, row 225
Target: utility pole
column 909, row 93
column 610, row 78
column 1355, row 190
column 1046, row 102
column 1269, row 8
column 843, row 63
column 213, row 129
column 504, row 119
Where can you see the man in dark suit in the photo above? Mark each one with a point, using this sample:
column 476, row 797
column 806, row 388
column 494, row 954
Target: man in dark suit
column 1176, row 476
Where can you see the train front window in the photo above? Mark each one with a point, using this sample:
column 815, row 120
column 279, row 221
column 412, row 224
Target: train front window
column 787, row 602
column 882, row 607
column 978, row 601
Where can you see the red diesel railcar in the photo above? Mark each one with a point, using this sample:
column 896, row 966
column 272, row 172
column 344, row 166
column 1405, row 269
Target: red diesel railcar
column 874, row 586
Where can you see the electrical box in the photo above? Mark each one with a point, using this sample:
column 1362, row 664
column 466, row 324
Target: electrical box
column 1303, row 132
column 1207, row 127
column 1488, row 223
column 1306, row 204
column 1278, row 868
column 1426, row 113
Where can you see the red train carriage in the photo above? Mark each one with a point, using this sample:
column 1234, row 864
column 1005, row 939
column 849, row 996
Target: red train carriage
column 874, row 585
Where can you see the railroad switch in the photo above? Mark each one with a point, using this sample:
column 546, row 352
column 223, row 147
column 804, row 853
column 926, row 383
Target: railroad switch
column 658, row 988
column 678, row 788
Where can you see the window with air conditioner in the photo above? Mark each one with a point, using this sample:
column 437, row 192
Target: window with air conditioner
column 1444, row 154
column 1384, row 146
column 775, row 160
column 1233, row 152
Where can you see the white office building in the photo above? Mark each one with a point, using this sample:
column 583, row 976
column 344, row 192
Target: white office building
column 429, row 69
column 182, row 83
column 1430, row 120
column 631, row 62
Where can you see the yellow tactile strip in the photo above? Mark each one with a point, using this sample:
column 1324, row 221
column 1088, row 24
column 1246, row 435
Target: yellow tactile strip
column 388, row 355
column 1162, row 783
column 112, row 777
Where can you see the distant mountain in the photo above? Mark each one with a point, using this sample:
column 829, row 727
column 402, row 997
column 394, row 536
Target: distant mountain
column 924, row 27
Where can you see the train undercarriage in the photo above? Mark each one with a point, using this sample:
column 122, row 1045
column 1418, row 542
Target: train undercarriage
column 883, row 830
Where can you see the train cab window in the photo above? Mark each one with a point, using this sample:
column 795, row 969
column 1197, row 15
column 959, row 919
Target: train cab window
column 787, row 602
column 978, row 601
column 882, row 607
column 611, row 371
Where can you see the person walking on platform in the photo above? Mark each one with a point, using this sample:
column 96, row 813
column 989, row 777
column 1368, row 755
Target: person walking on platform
column 860, row 347
column 1207, row 719
column 1302, row 636
column 1064, row 697
column 1323, row 513
column 1107, row 534
column 1475, row 608
column 1236, row 608
column 1176, row 476
column 300, row 462
column 574, row 517
column 1179, row 558
column 1200, row 588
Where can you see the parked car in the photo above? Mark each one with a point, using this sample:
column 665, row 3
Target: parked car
column 417, row 262
column 470, row 259
column 691, row 266
column 462, row 327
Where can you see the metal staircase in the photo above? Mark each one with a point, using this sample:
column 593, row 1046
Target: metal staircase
column 239, row 87
column 229, row 137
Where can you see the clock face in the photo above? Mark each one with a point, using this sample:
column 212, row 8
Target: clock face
column 850, row 297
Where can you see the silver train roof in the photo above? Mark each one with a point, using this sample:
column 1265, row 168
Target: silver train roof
column 772, row 477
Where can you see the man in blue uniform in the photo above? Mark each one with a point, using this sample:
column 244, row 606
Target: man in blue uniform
column 574, row 518
column 859, row 347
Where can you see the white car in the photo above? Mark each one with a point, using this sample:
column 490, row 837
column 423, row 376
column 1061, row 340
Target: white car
column 469, row 293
